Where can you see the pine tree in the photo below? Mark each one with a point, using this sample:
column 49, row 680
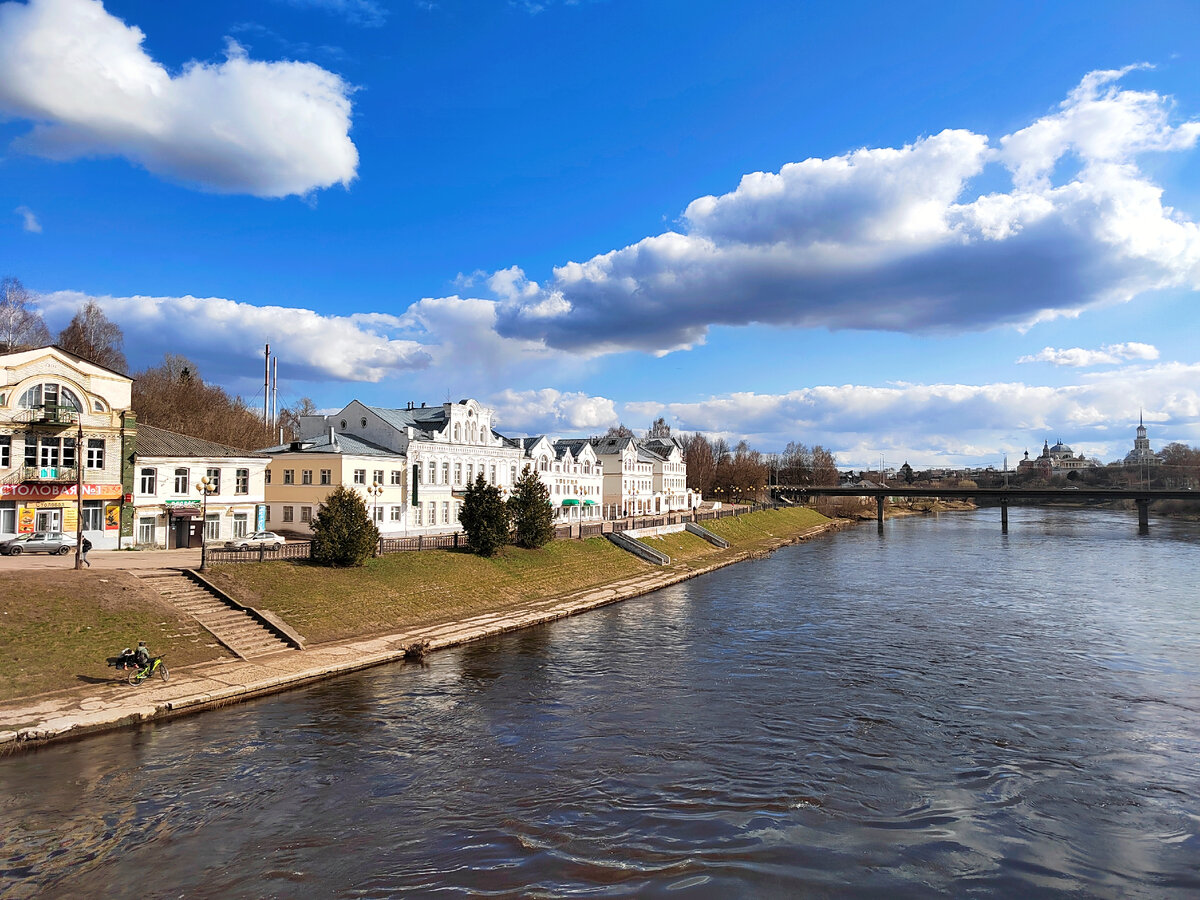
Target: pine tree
column 343, row 533
column 532, row 514
column 484, row 518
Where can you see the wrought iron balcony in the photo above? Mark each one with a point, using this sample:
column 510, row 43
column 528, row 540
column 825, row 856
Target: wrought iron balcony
column 49, row 474
column 50, row 415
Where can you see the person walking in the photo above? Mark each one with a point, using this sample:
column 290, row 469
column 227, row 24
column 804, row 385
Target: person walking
column 84, row 548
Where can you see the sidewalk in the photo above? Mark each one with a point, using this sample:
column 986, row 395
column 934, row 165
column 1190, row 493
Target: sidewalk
column 107, row 559
column 78, row 711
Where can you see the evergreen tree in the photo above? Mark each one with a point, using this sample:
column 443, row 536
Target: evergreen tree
column 343, row 533
column 532, row 514
column 484, row 517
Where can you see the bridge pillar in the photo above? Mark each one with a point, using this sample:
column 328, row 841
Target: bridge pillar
column 879, row 512
column 1004, row 517
column 1143, row 508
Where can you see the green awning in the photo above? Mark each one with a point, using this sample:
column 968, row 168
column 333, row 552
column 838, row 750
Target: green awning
column 589, row 502
column 571, row 502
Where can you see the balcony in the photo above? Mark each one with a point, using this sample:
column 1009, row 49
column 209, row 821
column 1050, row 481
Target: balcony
column 48, row 475
column 50, row 416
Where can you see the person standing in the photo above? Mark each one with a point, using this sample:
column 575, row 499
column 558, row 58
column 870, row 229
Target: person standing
column 84, row 548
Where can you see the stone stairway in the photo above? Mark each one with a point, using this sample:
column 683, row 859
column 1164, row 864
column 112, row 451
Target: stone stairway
column 236, row 628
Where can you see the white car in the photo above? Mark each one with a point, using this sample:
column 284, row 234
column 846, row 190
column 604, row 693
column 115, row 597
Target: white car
column 268, row 540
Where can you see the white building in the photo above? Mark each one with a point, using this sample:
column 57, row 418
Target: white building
column 572, row 474
column 443, row 449
column 169, row 510
column 64, row 425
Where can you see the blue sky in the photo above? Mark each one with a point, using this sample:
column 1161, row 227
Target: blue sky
column 939, row 232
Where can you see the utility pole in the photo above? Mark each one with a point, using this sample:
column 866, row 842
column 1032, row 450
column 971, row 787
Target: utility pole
column 79, row 494
column 266, row 386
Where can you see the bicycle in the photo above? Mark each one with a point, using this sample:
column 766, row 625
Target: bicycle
column 156, row 666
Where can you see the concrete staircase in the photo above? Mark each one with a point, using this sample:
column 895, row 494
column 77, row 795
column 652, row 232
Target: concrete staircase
column 234, row 627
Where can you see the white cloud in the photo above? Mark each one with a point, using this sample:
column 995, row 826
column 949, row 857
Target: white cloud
column 29, row 220
column 957, row 424
column 226, row 337
column 548, row 411
column 271, row 129
column 890, row 239
column 1078, row 357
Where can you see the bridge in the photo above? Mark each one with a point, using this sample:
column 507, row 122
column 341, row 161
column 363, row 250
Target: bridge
column 1001, row 496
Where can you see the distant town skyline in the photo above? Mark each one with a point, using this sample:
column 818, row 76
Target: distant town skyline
column 941, row 237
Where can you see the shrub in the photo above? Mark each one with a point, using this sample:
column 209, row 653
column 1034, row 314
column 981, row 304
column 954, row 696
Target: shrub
column 532, row 514
column 484, row 518
column 343, row 533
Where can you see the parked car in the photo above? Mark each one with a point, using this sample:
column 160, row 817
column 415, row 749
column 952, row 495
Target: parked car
column 39, row 542
column 267, row 539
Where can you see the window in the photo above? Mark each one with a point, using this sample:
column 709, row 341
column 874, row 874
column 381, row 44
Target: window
column 289, row 476
column 287, row 514
column 327, row 476
column 214, row 479
column 306, row 514
column 470, row 473
column 212, row 526
column 343, row 424
column 363, row 421
column 378, row 476
column 360, row 476
column 432, row 472
column 98, row 406
column 266, row 476
column 493, row 478
column 148, row 482
column 241, row 481
column 458, row 473
column 306, row 476
column 377, row 513
column 95, row 451
column 396, row 513
column 445, row 473
column 513, row 474
column 445, row 512
column 397, row 476
column 49, row 395
column 31, row 451
column 267, row 514
column 420, row 513
column 48, row 458
column 145, row 532
column 181, row 481
column 5, row 452
column 239, row 525
column 68, row 452
column 93, row 515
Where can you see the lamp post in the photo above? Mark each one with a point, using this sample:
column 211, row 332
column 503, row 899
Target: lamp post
column 375, row 490
column 205, row 487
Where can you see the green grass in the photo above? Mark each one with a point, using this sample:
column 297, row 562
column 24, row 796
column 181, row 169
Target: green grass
column 57, row 628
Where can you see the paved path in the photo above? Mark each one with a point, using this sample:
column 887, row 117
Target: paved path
column 29, row 722
column 107, row 559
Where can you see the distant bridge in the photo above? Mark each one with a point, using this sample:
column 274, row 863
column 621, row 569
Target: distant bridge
column 1000, row 496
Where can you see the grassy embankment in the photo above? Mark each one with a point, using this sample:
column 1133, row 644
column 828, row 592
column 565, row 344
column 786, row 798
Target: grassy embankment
column 58, row 626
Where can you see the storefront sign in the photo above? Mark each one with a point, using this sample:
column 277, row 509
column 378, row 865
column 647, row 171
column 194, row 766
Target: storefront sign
column 58, row 491
column 25, row 519
column 112, row 516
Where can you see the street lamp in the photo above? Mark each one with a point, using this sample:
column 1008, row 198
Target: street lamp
column 205, row 486
column 375, row 490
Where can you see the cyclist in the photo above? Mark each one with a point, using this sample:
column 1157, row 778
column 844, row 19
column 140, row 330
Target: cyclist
column 142, row 655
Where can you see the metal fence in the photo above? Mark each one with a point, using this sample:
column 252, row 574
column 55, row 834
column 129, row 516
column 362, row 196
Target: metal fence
column 303, row 549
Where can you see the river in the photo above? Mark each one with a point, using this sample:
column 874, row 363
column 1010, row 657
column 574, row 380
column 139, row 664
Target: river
column 938, row 711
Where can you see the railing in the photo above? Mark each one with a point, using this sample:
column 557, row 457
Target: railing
column 48, row 475
column 454, row 540
column 49, row 415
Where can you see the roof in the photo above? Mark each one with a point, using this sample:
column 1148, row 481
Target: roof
column 154, row 441
column 344, row 444
column 424, row 418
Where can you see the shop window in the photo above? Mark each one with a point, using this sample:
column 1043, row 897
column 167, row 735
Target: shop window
column 239, row 525
column 145, row 531
column 93, row 515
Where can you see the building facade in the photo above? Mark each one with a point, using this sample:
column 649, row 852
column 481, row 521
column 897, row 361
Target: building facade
column 1141, row 454
column 572, row 474
column 65, row 432
column 170, row 511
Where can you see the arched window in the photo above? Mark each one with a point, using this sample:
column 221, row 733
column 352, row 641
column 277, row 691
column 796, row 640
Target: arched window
column 50, row 394
column 363, row 421
column 343, row 424
column 457, row 433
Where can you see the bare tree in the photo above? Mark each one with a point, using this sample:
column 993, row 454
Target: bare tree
column 289, row 417
column 21, row 326
column 619, row 430
column 701, row 467
column 659, row 429
column 92, row 335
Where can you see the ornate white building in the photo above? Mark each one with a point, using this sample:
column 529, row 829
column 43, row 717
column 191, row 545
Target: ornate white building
column 1141, row 454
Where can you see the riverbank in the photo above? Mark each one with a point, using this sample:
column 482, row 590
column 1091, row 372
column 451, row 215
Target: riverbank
column 459, row 598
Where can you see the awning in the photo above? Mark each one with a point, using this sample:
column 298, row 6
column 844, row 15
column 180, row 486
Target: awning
column 183, row 512
column 571, row 502
column 589, row 502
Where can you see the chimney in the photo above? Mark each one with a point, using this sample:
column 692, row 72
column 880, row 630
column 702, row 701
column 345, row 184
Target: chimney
column 422, row 404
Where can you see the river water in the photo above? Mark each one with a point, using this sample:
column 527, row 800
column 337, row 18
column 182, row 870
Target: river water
column 941, row 710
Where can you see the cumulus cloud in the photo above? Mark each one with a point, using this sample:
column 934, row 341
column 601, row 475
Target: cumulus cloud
column 956, row 424
column 548, row 411
column 890, row 239
column 29, row 221
column 270, row 129
column 1078, row 357
column 227, row 337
